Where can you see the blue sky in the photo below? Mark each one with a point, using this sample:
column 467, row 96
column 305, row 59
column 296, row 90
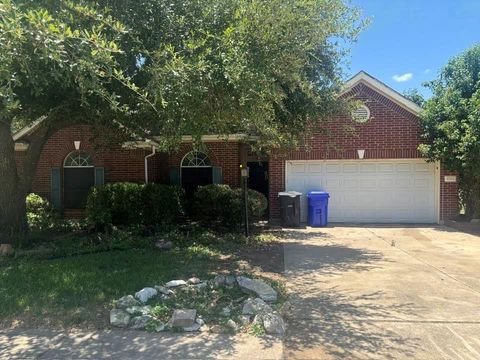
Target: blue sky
column 409, row 41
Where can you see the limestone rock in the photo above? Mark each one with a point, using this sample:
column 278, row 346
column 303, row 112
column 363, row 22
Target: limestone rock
column 160, row 327
column 218, row 280
column 194, row 327
column 6, row 250
column 127, row 301
column 273, row 324
column 256, row 306
column 175, row 283
column 230, row 280
column 257, row 287
column 194, row 281
column 184, row 317
column 232, row 325
column 146, row 294
column 163, row 245
column 139, row 310
column 140, row 322
column 119, row 318
column 245, row 319
column 163, row 290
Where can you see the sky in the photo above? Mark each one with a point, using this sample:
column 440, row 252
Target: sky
column 408, row 41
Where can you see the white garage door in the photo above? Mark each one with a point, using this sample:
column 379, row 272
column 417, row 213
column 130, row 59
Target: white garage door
column 390, row 191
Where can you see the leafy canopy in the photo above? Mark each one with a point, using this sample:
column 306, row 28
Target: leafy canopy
column 452, row 119
column 170, row 68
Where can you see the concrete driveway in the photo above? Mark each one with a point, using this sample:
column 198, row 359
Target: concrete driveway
column 383, row 292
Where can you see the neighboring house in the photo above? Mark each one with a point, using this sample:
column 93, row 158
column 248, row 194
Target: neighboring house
column 374, row 173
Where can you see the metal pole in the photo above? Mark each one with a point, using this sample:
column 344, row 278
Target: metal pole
column 244, row 173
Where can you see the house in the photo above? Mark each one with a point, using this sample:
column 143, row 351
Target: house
column 373, row 173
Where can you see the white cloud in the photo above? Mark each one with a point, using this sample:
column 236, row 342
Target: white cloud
column 426, row 71
column 403, row 77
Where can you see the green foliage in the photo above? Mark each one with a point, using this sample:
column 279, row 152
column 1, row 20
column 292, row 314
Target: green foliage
column 131, row 203
column 415, row 96
column 219, row 206
column 40, row 214
column 451, row 123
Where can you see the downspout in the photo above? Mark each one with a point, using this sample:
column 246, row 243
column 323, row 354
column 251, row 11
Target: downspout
column 146, row 163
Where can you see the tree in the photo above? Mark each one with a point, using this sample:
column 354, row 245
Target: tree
column 170, row 68
column 451, row 123
column 58, row 62
column 415, row 96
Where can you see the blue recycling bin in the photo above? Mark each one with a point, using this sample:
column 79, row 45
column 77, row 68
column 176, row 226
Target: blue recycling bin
column 317, row 208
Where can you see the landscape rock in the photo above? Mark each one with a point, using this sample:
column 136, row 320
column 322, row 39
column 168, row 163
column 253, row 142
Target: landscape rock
column 163, row 245
column 140, row 322
column 119, row 318
column 226, row 311
column 192, row 328
column 163, row 290
column 200, row 321
column 218, row 280
column 6, row 250
column 140, row 310
column 146, row 294
column 258, row 287
column 230, row 280
column 127, row 301
column 273, row 324
column 194, row 281
column 256, row 306
column 160, row 327
column 245, row 319
column 232, row 325
column 201, row 286
column 175, row 283
column 184, row 317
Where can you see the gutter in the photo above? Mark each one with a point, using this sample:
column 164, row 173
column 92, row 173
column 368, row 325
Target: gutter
column 146, row 163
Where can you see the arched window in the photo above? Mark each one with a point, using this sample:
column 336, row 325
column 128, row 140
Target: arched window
column 196, row 159
column 77, row 159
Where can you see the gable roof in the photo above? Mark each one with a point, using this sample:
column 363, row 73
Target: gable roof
column 364, row 78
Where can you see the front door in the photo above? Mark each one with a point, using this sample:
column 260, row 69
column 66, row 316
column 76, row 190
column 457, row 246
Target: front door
column 258, row 177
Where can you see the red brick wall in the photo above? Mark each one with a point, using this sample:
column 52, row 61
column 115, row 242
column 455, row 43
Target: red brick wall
column 123, row 164
column 449, row 204
column 391, row 133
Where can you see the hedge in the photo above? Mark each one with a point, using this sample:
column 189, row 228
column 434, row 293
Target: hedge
column 131, row 203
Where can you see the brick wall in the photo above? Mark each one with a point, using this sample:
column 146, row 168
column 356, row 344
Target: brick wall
column 449, row 205
column 122, row 164
column 391, row 133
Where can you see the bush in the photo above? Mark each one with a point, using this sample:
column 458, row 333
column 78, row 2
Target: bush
column 219, row 206
column 130, row 203
column 40, row 214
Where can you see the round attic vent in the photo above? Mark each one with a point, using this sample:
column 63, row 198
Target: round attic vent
column 361, row 114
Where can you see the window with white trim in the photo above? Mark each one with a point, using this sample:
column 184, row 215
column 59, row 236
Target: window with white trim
column 196, row 159
column 77, row 159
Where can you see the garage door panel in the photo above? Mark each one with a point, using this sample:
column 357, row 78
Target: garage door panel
column 369, row 191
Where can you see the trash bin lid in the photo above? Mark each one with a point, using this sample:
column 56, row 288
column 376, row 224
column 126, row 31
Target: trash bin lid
column 318, row 193
column 289, row 193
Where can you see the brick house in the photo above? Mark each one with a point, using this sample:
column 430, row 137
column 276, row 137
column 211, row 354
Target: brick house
column 367, row 161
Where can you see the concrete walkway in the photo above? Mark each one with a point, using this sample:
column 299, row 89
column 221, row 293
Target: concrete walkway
column 128, row 345
column 383, row 292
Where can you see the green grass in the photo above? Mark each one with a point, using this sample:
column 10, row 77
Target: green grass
column 78, row 290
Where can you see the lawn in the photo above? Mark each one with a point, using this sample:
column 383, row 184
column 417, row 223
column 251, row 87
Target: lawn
column 77, row 291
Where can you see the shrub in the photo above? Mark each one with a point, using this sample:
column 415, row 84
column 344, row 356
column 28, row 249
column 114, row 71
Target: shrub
column 130, row 203
column 221, row 206
column 40, row 214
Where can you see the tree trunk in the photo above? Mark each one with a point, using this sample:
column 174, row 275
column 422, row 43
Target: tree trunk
column 12, row 196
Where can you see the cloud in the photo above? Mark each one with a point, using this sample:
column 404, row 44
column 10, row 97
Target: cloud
column 426, row 71
column 403, row 77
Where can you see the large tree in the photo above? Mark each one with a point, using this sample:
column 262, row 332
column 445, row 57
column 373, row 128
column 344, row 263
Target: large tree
column 167, row 68
column 451, row 122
